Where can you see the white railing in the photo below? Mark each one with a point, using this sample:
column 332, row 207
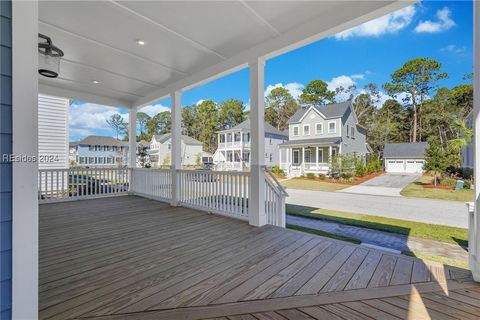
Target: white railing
column 152, row 183
column 275, row 195
column 80, row 183
column 221, row 192
column 312, row 166
column 227, row 166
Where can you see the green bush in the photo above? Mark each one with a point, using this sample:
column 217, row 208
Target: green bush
column 467, row 184
column 360, row 169
column 448, row 182
column 310, row 175
column 346, row 176
column 374, row 165
column 278, row 171
column 321, row 176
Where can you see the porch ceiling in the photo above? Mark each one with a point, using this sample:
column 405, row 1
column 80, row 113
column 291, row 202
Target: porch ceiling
column 187, row 42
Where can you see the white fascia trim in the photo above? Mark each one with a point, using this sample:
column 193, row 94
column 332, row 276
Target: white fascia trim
column 84, row 96
column 291, row 40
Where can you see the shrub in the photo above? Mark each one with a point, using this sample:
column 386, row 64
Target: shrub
column 310, row 175
column 374, row 165
column 467, row 184
column 278, row 171
column 448, row 182
column 360, row 169
column 346, row 176
column 321, row 176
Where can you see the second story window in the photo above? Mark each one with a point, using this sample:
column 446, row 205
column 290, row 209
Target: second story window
column 332, row 127
column 222, row 138
column 352, row 132
column 306, row 129
column 295, row 131
column 348, row 131
column 319, row 128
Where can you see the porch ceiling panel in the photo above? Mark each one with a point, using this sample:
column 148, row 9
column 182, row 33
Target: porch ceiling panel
column 188, row 42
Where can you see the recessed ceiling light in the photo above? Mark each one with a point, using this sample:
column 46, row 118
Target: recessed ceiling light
column 141, row 42
column 95, row 81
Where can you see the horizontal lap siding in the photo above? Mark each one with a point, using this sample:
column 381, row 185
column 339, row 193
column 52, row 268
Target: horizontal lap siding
column 5, row 168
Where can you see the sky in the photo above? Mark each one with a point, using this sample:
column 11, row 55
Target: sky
column 442, row 30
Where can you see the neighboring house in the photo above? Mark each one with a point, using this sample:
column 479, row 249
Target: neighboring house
column 319, row 132
column 161, row 149
column 467, row 152
column 53, row 132
column 233, row 152
column 404, row 157
column 99, row 151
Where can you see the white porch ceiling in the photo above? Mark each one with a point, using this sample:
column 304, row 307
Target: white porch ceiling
column 188, row 42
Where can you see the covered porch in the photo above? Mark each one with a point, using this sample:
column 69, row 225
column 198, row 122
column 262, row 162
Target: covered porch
column 135, row 258
column 298, row 158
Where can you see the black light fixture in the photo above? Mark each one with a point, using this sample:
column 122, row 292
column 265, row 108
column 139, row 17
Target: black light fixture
column 48, row 57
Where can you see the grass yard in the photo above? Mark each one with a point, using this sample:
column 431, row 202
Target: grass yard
column 306, row 184
column 405, row 227
column 450, row 262
column 417, row 190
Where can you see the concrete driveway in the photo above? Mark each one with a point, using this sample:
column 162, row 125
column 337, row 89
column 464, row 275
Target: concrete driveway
column 388, row 184
column 450, row 213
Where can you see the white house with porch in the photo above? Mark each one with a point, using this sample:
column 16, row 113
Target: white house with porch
column 319, row 132
column 233, row 152
column 183, row 244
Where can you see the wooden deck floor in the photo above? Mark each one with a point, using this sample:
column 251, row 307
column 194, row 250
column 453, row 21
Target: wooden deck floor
column 134, row 258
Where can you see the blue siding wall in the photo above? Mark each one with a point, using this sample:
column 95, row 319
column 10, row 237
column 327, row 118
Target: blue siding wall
column 5, row 168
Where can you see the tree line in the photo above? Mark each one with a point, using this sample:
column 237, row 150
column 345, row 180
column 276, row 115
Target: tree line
column 419, row 111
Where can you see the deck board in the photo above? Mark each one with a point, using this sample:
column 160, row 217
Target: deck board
column 134, row 258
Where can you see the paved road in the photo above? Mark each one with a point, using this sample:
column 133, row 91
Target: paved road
column 388, row 184
column 450, row 213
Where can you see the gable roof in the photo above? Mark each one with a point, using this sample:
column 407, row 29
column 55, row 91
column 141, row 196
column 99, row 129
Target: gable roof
column 185, row 139
column 405, row 150
column 333, row 110
column 100, row 140
column 245, row 126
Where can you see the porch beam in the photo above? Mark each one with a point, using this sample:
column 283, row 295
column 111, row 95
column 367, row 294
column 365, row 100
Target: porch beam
column 132, row 137
column 474, row 247
column 257, row 216
column 25, row 174
column 176, row 163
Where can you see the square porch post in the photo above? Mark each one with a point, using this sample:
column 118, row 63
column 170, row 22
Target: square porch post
column 316, row 156
column 474, row 222
column 256, row 211
column 176, row 163
column 132, row 137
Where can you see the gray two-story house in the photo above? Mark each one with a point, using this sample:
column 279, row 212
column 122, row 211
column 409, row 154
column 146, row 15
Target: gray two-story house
column 319, row 132
column 98, row 151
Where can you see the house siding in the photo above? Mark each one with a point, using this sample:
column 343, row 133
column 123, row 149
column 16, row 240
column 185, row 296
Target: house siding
column 353, row 145
column 5, row 168
column 312, row 118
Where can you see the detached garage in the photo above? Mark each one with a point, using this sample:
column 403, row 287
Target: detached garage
column 404, row 157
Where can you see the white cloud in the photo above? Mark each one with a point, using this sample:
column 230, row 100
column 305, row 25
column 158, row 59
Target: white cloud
column 200, row 101
column 152, row 110
column 454, row 49
column 294, row 88
column 341, row 81
column 444, row 22
column 388, row 24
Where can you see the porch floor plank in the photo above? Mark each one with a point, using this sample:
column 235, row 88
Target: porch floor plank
column 134, row 258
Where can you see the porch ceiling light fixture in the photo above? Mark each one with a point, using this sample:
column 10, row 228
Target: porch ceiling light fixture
column 141, row 42
column 48, row 57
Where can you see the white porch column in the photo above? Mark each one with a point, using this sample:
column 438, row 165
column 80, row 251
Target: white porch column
column 176, row 145
column 132, row 137
column 316, row 156
column 329, row 153
column 257, row 215
column 303, row 160
column 474, row 228
column 241, row 150
column 24, row 174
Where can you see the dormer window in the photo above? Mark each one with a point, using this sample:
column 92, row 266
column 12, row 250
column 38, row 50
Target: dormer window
column 306, row 129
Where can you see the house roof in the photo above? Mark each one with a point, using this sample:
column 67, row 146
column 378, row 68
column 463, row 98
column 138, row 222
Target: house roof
column 186, row 139
column 143, row 143
column 245, row 126
column 100, row 140
column 331, row 140
column 405, row 150
column 333, row 110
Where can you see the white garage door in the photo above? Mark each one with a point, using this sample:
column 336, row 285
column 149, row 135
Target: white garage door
column 414, row 166
column 395, row 165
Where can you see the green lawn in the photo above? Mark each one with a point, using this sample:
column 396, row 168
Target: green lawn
column 313, row 185
column 405, row 227
column 323, row 233
column 416, row 190
column 450, row 262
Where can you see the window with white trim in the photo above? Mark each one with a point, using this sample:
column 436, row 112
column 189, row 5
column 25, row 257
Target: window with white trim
column 332, row 127
column 348, row 131
column 320, row 155
column 296, row 157
column 319, row 128
column 352, row 132
column 295, row 132
column 306, row 129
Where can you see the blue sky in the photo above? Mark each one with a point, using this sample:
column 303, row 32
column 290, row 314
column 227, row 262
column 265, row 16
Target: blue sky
column 368, row 53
